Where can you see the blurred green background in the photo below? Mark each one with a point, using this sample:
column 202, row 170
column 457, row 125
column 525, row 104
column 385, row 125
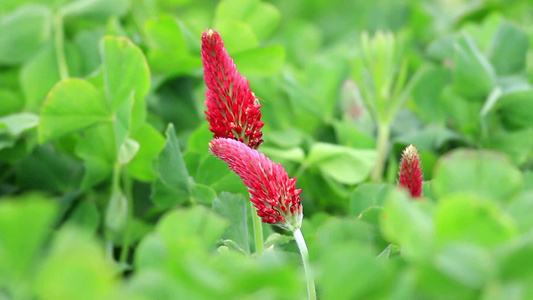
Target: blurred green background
column 108, row 191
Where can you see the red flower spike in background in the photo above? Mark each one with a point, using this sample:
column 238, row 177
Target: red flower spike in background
column 272, row 192
column 410, row 171
column 233, row 111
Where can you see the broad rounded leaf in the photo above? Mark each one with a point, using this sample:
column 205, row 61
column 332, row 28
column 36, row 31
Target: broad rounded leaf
column 72, row 105
column 483, row 173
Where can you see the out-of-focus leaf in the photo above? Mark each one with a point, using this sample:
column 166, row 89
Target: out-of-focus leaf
column 23, row 32
column 407, row 224
column 97, row 9
column 168, row 51
column 482, row 173
column 507, row 51
column 264, row 61
column 517, row 109
column 15, row 124
column 234, row 208
column 47, row 170
column 344, row 164
column 76, row 265
column 470, row 219
column 25, row 223
column 473, row 75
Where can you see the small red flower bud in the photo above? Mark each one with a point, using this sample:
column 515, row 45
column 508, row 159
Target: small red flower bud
column 232, row 108
column 272, row 192
column 410, row 173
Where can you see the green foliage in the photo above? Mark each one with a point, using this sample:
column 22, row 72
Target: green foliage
column 108, row 190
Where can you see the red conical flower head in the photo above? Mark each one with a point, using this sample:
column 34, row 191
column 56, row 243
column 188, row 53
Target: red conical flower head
column 233, row 111
column 272, row 192
column 410, row 172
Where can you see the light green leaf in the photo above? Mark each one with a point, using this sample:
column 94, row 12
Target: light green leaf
column 167, row 52
column 127, row 151
column 407, row 224
column 116, row 217
column 238, row 36
column 72, row 105
column 344, row 164
column 474, row 220
column 483, row 173
column 125, row 70
column 276, row 154
column 23, row 32
column 199, row 229
column 97, row 9
column 467, row 264
column 76, row 265
column 264, row 61
column 25, row 223
column 38, row 75
column 473, row 75
column 17, row 123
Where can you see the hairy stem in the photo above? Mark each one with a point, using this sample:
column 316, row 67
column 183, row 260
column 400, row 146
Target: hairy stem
column 300, row 241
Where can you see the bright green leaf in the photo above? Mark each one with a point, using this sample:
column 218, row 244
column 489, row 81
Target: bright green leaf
column 125, row 70
column 75, row 267
column 469, row 219
column 72, row 105
column 25, row 223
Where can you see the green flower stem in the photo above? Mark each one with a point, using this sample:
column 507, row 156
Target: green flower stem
column 126, row 182
column 258, row 230
column 59, row 43
column 300, row 241
column 383, row 142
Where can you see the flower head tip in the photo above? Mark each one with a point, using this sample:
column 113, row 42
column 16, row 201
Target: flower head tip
column 233, row 110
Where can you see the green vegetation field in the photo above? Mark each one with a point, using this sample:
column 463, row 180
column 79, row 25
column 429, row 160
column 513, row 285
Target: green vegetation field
column 108, row 189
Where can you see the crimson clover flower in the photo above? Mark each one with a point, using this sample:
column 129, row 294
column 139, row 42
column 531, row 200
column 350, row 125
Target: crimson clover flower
column 233, row 110
column 410, row 172
column 272, row 192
